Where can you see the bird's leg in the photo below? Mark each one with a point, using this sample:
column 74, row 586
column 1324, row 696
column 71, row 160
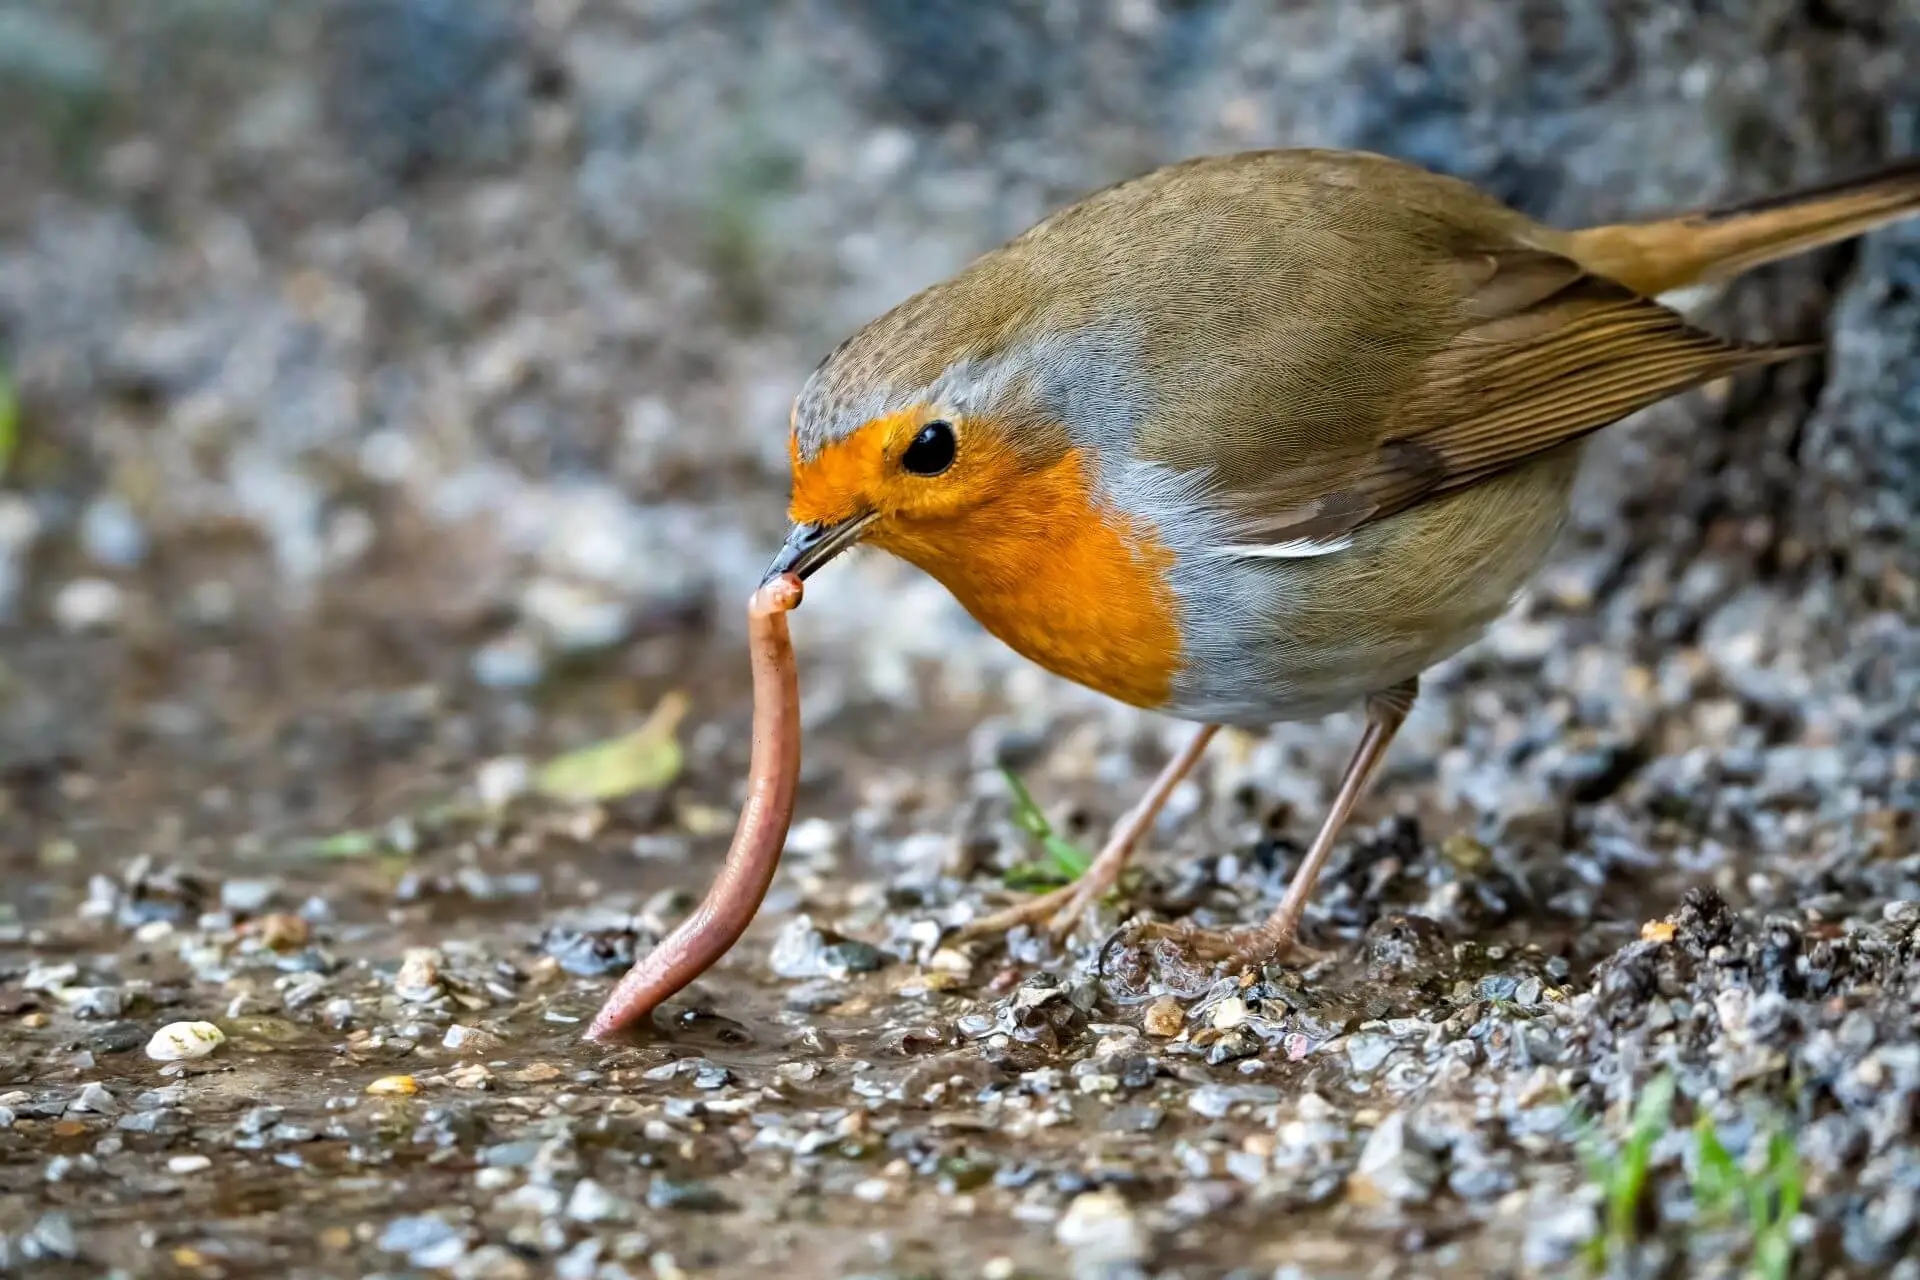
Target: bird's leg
column 1063, row 907
column 1386, row 712
column 1280, row 934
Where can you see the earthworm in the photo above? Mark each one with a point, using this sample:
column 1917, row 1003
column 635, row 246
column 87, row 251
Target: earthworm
column 772, row 779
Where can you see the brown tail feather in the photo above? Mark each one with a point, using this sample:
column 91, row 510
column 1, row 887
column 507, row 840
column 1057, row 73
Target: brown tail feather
column 1653, row 258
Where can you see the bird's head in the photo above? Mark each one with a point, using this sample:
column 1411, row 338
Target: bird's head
column 929, row 426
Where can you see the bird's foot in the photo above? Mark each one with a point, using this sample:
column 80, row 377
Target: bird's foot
column 1056, row 912
column 1236, row 949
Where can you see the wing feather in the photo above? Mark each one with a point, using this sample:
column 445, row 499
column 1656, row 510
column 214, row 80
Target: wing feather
column 1546, row 353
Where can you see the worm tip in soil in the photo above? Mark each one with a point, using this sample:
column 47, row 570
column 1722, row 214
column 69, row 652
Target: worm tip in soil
column 730, row 904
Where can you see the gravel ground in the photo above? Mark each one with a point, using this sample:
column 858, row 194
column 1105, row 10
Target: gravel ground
column 399, row 391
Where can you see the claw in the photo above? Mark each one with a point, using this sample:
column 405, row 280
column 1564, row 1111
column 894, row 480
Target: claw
column 1238, row 948
column 1057, row 912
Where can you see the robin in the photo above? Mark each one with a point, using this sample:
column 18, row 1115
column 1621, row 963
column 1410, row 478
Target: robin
column 1257, row 437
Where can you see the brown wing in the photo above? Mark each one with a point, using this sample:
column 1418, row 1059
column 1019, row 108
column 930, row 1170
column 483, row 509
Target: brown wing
column 1547, row 353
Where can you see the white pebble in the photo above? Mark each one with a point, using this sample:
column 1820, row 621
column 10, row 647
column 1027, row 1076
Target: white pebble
column 591, row 1202
column 87, row 604
column 1099, row 1227
column 812, row 838
column 189, row 1164
column 502, row 780
column 185, row 1041
column 1229, row 1013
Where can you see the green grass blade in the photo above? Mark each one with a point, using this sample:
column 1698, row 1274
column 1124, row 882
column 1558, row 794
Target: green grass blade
column 1026, row 814
column 1717, row 1177
column 9, row 423
column 1064, row 859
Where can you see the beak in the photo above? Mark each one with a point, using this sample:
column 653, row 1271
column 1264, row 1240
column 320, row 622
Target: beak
column 809, row 546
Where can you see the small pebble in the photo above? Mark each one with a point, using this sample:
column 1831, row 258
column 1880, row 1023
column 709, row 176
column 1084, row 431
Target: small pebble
column 110, row 533
column 1366, row 1051
column 1229, row 1013
column 464, row 1039
column 418, row 979
column 502, row 780
column 1165, row 1018
column 50, row 977
column 428, row 1241
column 53, row 1237
column 185, row 1041
column 247, row 897
column 591, row 1203
column 189, row 1164
column 1393, row 1167
column 87, row 604
column 394, row 1087
column 474, row 1075
column 512, row 662
column 667, row 1193
column 279, row 931
column 492, row 1262
column 1100, row 1228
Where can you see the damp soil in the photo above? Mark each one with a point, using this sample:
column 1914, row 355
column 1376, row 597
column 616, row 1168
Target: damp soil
column 393, row 398
column 403, row 964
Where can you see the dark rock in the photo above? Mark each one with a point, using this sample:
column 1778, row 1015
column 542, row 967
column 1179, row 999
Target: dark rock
column 591, row 952
column 691, row 1197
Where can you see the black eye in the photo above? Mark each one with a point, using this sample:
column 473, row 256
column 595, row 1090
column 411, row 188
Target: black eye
column 931, row 451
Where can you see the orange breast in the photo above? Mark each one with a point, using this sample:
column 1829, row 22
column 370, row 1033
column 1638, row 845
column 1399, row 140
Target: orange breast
column 1079, row 588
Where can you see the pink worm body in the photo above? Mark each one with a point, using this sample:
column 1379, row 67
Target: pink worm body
column 773, row 778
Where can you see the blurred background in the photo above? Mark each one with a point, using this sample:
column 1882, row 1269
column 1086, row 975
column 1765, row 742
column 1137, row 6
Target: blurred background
column 393, row 388
column 467, row 329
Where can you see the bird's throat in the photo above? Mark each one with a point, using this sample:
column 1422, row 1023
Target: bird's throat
column 1062, row 578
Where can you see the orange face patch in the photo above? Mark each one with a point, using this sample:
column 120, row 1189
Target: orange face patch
column 838, row 482
column 1032, row 554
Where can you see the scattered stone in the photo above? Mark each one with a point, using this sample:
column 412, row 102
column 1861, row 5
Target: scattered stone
column 247, row 897
column 1393, row 1167
column 95, row 1004
column 51, row 1238
column 394, row 1087
column 593, row 1203
column 492, row 1262
column 1367, row 1051
column 803, row 951
column 88, row 604
column 502, row 780
column 514, row 661
column 418, row 979
column 464, row 1039
column 50, row 977
column 1100, row 1228
column 485, row 351
column 427, row 1240
column 1229, row 1013
column 279, row 931
column 1215, row 1101
column 94, row 1099
column 110, row 533
column 693, row 1197
column 472, row 1075
column 185, row 1041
